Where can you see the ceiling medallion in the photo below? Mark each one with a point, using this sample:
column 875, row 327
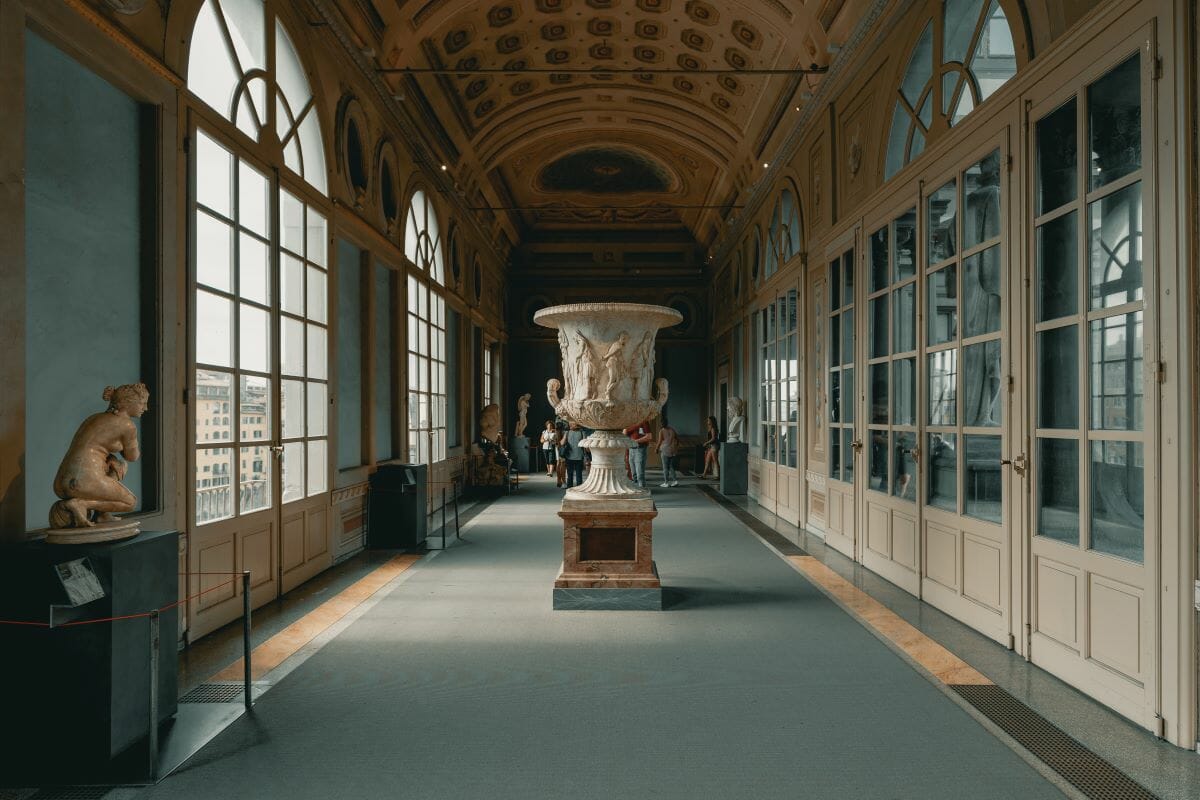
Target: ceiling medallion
column 684, row 85
column 689, row 62
column 747, row 34
column 603, row 52
column 654, row 6
column 601, row 3
column 696, row 40
column 602, row 26
column 558, row 55
column 501, row 15
column 477, row 87
column 485, row 108
column 722, row 102
column 550, row 6
column 555, row 31
column 456, row 40
column 702, row 12
column 510, row 43
column 730, row 84
column 648, row 29
column 650, row 55
column 736, row 58
column 604, row 170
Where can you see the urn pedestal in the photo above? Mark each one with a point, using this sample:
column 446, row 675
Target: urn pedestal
column 608, row 556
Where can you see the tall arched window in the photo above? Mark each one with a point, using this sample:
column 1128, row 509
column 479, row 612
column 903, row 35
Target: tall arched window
column 964, row 54
column 426, row 334
column 783, row 234
column 259, row 315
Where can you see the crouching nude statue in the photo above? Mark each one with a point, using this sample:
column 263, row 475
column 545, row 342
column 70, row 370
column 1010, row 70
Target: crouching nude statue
column 89, row 478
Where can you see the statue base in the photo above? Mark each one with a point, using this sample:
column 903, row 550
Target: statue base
column 735, row 464
column 113, row 531
column 608, row 558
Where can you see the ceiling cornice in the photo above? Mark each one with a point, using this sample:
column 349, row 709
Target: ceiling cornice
column 760, row 193
column 413, row 137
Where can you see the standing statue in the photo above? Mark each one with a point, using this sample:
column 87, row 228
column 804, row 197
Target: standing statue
column 89, row 477
column 584, row 367
column 614, row 363
column 522, row 412
column 736, row 408
column 643, row 365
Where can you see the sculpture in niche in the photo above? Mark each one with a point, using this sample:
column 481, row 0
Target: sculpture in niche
column 489, row 423
column 736, row 408
column 89, row 478
column 522, row 414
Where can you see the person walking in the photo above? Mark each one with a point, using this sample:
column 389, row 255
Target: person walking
column 712, row 447
column 668, row 447
column 641, row 436
column 574, row 455
column 560, row 447
column 549, row 440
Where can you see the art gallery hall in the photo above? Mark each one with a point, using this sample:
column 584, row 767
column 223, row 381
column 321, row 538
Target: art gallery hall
column 600, row 398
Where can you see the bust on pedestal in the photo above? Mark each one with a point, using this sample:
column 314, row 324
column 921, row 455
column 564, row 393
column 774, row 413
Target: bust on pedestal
column 734, row 452
column 608, row 365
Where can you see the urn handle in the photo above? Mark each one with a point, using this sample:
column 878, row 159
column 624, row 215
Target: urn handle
column 552, row 387
column 662, row 393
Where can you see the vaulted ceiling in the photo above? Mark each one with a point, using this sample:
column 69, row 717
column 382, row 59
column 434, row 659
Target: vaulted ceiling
column 594, row 114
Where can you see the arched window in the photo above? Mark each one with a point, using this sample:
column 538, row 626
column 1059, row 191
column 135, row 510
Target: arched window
column 422, row 239
column 230, row 69
column 783, row 234
column 964, row 54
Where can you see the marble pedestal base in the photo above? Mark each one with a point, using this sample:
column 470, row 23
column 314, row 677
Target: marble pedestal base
column 518, row 448
column 608, row 558
column 735, row 465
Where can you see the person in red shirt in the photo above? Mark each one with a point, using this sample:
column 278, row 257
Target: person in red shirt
column 641, row 436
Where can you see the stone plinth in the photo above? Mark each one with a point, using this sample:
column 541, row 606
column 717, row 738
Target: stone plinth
column 608, row 556
column 734, row 467
column 518, row 449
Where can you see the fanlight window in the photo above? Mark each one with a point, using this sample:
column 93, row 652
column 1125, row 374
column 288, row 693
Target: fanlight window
column 422, row 240
column 952, row 69
column 264, row 94
column 783, row 235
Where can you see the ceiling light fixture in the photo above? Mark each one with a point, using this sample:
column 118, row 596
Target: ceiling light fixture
column 765, row 165
column 443, row 167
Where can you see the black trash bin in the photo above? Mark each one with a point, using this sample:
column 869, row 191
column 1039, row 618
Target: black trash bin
column 396, row 507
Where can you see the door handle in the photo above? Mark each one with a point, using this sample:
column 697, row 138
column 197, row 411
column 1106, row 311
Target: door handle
column 1018, row 463
column 857, row 444
column 277, row 449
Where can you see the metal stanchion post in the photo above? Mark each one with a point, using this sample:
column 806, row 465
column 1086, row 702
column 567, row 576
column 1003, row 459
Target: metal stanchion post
column 443, row 516
column 153, row 741
column 246, row 637
column 457, row 533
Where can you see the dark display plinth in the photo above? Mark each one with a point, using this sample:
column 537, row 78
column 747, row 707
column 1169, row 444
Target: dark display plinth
column 734, row 467
column 80, row 694
column 519, row 450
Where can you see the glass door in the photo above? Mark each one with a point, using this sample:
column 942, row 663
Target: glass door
column 1095, row 406
column 780, row 404
column 844, row 444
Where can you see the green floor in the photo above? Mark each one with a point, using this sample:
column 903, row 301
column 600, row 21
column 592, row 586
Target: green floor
column 463, row 683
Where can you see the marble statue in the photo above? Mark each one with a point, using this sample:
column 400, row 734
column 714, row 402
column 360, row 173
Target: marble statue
column 736, row 409
column 89, row 477
column 608, row 364
column 522, row 414
column 489, row 423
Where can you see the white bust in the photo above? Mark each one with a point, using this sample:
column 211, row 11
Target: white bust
column 736, row 409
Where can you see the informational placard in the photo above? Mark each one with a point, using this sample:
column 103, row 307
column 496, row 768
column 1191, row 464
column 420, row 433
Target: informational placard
column 79, row 581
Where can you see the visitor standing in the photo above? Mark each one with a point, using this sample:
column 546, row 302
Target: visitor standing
column 712, row 446
column 574, row 455
column 641, row 436
column 549, row 439
column 560, row 446
column 668, row 448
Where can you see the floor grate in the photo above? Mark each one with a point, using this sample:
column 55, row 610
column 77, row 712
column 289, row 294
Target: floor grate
column 214, row 693
column 1083, row 769
column 761, row 529
column 72, row 793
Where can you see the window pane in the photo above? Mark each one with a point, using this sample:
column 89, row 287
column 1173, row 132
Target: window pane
column 318, row 238
column 317, row 367
column 981, row 190
column 1058, row 268
column 835, row 396
column 941, row 209
column 847, row 455
column 960, row 20
column 214, row 489
column 252, row 199
column 943, row 471
column 291, row 410
column 904, row 482
column 879, row 455
column 879, row 259
column 982, row 289
column 1115, row 226
column 848, row 397
column 384, row 365
column 835, row 284
column 848, row 336
column 878, row 320
column 214, row 252
column 906, row 245
column 848, row 277
column 1058, row 378
column 291, row 346
column 318, row 409
column 1115, row 123
column 982, row 487
column 943, row 306
column 879, row 394
column 317, row 298
column 291, row 222
column 1118, row 499
column 995, row 59
column 904, row 392
column 905, row 318
column 1058, row 490
column 254, row 271
column 255, row 484
column 317, row 467
column 897, row 141
column 214, row 397
column 919, row 68
column 291, row 284
column 214, row 175
column 982, row 398
column 214, row 330
column 254, row 340
column 1116, row 373
column 254, row 408
column 1057, row 158
column 835, row 453
column 293, row 471
column 943, row 387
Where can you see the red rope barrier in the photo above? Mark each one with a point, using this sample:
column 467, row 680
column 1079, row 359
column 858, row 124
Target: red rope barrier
column 167, row 607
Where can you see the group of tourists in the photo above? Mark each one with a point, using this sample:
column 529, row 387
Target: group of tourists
column 566, row 458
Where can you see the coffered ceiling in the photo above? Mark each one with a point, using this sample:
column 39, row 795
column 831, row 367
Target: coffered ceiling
column 588, row 114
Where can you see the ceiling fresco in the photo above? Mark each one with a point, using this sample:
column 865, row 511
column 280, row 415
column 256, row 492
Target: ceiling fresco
column 605, row 170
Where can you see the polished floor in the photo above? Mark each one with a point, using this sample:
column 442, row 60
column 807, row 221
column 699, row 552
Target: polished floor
column 758, row 681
